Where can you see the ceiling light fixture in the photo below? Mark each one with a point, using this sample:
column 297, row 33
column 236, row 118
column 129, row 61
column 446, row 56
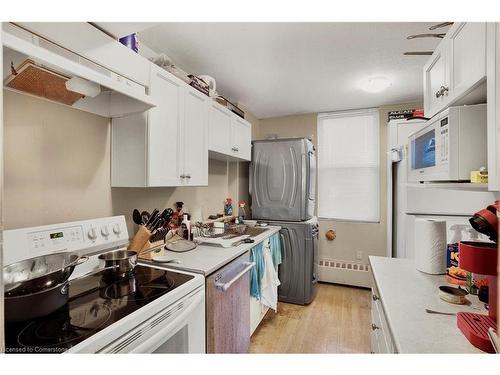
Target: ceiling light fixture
column 374, row 84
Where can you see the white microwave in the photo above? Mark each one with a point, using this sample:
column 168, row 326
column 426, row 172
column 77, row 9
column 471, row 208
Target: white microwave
column 449, row 146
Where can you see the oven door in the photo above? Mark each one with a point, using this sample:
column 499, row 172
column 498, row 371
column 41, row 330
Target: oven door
column 180, row 328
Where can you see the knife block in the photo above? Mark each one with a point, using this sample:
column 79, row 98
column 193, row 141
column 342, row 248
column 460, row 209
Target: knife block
column 140, row 239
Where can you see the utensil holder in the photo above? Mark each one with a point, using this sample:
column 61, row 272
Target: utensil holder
column 140, row 239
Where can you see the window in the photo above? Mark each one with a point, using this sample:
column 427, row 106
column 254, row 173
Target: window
column 348, row 165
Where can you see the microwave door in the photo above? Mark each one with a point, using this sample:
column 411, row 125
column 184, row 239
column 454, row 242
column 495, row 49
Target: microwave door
column 424, row 151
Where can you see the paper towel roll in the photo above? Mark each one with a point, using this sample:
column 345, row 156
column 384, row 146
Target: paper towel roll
column 430, row 246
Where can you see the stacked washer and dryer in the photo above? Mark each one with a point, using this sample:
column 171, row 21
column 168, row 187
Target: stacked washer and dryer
column 283, row 192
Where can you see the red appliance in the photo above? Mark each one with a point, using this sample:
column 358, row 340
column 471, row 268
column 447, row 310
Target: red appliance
column 481, row 258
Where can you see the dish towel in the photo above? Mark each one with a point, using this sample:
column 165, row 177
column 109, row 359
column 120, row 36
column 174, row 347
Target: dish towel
column 275, row 243
column 257, row 256
column 270, row 281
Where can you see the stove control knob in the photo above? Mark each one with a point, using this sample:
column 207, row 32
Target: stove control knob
column 92, row 234
column 105, row 231
column 116, row 229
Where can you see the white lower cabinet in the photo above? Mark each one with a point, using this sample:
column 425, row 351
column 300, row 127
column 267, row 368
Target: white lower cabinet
column 167, row 146
column 230, row 136
column 493, row 83
column 381, row 339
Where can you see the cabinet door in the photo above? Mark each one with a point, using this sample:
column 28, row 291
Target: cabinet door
column 467, row 56
column 194, row 136
column 493, row 106
column 219, row 135
column 241, row 139
column 435, row 77
column 164, row 130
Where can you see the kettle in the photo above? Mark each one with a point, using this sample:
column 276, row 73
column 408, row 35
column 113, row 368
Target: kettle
column 210, row 81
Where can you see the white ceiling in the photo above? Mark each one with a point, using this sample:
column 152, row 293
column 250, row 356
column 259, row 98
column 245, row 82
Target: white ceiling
column 278, row 69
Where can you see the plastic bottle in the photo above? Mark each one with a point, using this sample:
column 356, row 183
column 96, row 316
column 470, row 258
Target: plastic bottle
column 186, row 227
column 241, row 212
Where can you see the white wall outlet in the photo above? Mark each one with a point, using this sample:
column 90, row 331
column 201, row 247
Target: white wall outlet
column 359, row 255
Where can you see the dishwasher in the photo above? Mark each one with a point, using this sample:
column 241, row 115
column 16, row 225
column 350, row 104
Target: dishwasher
column 228, row 307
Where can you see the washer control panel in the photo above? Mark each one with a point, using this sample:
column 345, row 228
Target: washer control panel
column 85, row 236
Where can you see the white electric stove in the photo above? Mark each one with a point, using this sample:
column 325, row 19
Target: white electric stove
column 155, row 309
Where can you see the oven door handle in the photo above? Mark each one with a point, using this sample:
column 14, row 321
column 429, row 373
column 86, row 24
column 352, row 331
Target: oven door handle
column 226, row 286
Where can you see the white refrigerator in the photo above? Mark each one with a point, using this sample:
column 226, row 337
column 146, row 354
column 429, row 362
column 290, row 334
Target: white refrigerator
column 397, row 179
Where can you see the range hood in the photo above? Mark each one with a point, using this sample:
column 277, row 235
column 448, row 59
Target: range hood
column 36, row 66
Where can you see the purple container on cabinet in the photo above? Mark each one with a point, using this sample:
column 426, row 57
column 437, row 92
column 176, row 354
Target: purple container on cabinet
column 131, row 42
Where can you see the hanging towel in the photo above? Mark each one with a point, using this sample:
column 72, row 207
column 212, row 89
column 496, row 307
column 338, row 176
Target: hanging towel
column 270, row 281
column 275, row 243
column 257, row 256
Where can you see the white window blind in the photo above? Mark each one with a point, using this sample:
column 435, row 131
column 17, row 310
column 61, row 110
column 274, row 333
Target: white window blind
column 348, row 165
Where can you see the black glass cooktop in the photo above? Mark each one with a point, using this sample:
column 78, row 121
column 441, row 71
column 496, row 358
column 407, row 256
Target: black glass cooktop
column 94, row 304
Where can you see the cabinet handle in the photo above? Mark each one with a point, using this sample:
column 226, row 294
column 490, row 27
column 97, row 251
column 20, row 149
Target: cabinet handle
column 234, row 149
column 182, row 176
column 374, row 327
column 442, row 91
column 188, row 176
column 375, row 297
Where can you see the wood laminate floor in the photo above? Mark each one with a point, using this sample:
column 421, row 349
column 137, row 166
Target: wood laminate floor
column 337, row 321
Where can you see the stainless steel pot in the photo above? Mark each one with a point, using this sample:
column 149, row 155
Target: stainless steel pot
column 36, row 274
column 44, row 302
column 121, row 262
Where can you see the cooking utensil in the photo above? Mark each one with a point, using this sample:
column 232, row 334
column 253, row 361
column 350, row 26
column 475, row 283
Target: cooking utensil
column 418, row 53
column 426, row 35
column 160, row 260
column 121, row 262
column 452, row 295
column 245, row 240
column 42, row 272
column 145, row 217
column 440, row 25
column 44, row 302
column 152, row 217
column 429, row 311
column 136, row 216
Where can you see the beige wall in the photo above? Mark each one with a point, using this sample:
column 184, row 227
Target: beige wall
column 57, row 169
column 369, row 238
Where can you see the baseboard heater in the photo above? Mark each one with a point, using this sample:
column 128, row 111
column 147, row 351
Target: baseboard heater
column 344, row 272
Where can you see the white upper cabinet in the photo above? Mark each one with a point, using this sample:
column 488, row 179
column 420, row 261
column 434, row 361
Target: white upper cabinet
column 456, row 71
column 219, row 135
column 493, row 63
column 436, row 80
column 166, row 147
column 467, row 49
column 241, row 135
column 195, row 142
column 230, row 136
column 164, row 130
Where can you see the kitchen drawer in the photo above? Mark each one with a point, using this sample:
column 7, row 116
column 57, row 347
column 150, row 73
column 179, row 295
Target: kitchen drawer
column 381, row 337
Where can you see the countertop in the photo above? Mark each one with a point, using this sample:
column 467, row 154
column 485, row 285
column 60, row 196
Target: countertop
column 206, row 259
column 405, row 293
